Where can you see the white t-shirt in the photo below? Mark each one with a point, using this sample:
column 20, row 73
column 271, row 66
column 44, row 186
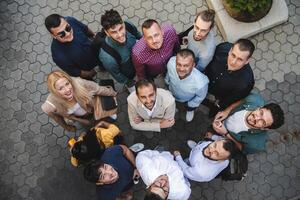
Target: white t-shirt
column 236, row 123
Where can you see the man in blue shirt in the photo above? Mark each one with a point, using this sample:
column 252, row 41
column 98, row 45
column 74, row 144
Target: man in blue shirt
column 71, row 46
column 113, row 174
column 187, row 84
column 121, row 41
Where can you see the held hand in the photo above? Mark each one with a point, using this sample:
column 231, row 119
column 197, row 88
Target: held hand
column 176, row 153
column 222, row 115
column 219, row 127
column 137, row 119
column 100, row 124
column 166, row 123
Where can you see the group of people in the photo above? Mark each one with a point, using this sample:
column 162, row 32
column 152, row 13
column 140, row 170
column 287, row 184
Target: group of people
column 158, row 74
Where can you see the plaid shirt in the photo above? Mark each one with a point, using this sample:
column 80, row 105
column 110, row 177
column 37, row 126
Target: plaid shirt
column 151, row 62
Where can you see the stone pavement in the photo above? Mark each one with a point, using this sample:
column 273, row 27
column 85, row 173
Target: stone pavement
column 34, row 160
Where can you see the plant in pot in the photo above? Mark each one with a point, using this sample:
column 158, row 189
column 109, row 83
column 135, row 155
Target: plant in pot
column 247, row 10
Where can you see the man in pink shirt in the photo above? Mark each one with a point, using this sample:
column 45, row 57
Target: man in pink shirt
column 152, row 52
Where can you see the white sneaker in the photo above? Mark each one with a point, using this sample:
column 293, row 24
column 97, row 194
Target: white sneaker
column 131, row 89
column 114, row 116
column 137, row 147
column 189, row 116
column 191, row 144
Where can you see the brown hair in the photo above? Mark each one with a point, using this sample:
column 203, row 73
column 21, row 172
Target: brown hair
column 207, row 16
column 148, row 23
column 245, row 45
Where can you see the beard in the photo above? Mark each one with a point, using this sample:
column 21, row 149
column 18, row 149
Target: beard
column 206, row 155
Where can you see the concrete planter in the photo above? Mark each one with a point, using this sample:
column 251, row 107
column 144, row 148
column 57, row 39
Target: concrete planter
column 232, row 29
column 245, row 16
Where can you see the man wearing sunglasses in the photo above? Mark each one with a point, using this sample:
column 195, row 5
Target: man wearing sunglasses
column 162, row 175
column 71, row 46
column 247, row 123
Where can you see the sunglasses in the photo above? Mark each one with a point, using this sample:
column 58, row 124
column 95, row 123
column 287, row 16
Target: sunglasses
column 62, row 34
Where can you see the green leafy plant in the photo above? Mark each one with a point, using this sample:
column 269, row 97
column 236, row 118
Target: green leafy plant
column 249, row 6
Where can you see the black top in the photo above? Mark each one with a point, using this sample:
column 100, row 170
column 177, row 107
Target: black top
column 77, row 55
column 228, row 86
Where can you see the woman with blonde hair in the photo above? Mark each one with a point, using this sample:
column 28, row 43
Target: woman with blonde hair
column 73, row 98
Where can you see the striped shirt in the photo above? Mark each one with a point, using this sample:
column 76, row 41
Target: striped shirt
column 148, row 62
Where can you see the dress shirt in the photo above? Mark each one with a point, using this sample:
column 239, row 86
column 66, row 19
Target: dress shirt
column 152, row 164
column 228, row 86
column 151, row 62
column 149, row 112
column 201, row 169
column 204, row 49
column 192, row 89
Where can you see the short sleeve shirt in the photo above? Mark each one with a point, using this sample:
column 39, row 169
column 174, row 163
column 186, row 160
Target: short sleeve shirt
column 114, row 156
column 77, row 55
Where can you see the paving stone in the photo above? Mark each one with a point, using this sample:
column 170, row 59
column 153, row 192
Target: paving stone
column 272, row 85
column 140, row 12
column 19, row 179
column 288, row 28
column 295, row 109
column 47, row 161
column 266, row 168
column 23, row 158
column 23, row 191
column 35, row 97
column 284, row 181
column 291, row 78
column 264, row 189
column 290, row 192
column 277, row 96
column 62, row 141
column 19, row 147
column 292, row 58
column 295, row 88
column 31, row 181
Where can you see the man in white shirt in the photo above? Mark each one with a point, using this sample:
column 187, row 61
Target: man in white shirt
column 150, row 109
column 207, row 159
column 162, row 176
